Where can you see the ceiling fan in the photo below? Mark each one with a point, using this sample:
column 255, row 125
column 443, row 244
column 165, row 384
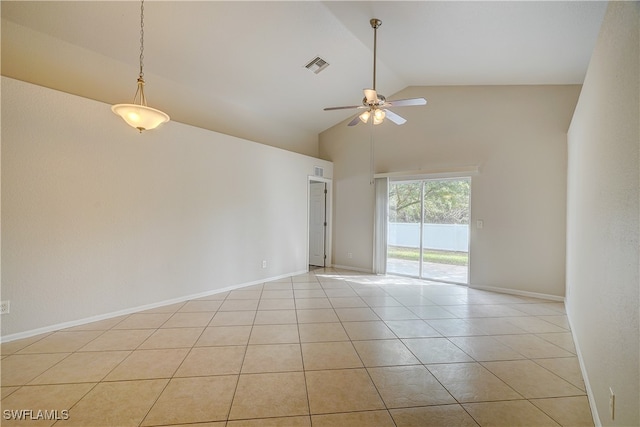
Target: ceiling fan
column 375, row 104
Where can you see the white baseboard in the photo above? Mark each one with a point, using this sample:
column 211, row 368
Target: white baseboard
column 72, row 323
column 585, row 377
column 350, row 268
column 520, row 293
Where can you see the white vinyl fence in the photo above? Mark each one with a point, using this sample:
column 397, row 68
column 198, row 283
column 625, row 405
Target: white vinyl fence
column 446, row 237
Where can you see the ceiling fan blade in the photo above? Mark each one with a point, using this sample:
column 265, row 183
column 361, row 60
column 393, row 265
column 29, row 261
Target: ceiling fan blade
column 348, row 107
column 371, row 95
column 355, row 121
column 407, row 102
column 394, row 117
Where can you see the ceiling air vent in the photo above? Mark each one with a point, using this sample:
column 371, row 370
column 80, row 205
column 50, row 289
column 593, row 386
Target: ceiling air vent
column 317, row 64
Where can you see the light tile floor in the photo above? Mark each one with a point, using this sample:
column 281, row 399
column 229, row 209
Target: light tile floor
column 327, row 348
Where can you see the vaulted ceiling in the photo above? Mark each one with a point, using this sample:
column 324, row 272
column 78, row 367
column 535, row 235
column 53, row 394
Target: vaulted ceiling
column 238, row 67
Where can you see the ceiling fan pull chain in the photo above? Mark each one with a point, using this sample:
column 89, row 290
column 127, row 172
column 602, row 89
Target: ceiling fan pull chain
column 372, row 161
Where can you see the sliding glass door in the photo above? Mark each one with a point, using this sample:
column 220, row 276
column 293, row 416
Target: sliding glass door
column 428, row 229
column 403, row 230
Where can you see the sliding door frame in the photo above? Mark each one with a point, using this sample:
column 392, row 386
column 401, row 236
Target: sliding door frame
column 466, row 172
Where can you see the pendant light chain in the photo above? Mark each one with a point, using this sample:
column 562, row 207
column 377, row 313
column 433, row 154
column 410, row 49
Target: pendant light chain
column 140, row 90
column 141, row 38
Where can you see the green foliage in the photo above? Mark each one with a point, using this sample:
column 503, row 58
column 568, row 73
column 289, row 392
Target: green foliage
column 446, row 201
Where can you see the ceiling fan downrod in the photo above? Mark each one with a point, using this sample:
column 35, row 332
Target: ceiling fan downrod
column 375, row 24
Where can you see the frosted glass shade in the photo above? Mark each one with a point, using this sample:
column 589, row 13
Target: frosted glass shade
column 139, row 116
column 364, row 117
column 378, row 117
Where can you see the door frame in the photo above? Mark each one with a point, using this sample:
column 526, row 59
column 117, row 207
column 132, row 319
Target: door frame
column 328, row 217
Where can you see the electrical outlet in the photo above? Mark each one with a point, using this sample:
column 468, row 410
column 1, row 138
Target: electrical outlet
column 5, row 307
column 264, row 263
column 612, row 404
column 349, row 255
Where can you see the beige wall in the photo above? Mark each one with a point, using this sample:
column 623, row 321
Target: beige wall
column 516, row 135
column 603, row 218
column 97, row 218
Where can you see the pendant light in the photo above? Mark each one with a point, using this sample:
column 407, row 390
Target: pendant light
column 137, row 114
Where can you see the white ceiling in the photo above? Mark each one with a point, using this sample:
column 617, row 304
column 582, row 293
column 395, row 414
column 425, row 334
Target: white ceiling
column 237, row 67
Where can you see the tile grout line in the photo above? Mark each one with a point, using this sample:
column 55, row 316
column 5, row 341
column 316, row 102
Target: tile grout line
column 155, row 401
column 246, row 347
column 386, row 407
column 304, row 370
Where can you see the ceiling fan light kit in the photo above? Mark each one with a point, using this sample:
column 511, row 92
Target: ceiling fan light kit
column 138, row 115
column 373, row 103
column 378, row 116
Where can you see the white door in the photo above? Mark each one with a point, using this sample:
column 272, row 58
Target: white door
column 317, row 223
